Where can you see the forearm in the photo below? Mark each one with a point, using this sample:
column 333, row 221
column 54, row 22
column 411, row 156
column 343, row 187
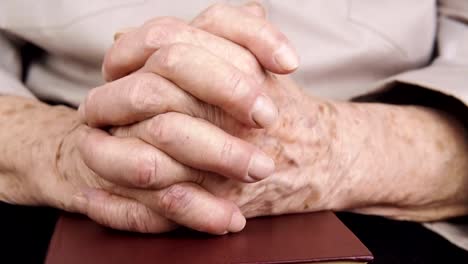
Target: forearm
column 30, row 133
column 418, row 157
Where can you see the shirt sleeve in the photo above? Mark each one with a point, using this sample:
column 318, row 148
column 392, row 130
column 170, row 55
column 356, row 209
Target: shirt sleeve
column 447, row 74
column 11, row 69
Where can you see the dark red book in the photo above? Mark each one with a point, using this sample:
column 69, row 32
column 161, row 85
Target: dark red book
column 299, row 238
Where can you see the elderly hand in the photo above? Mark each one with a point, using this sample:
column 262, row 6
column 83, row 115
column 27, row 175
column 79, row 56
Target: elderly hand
column 191, row 102
column 326, row 153
column 183, row 76
column 186, row 78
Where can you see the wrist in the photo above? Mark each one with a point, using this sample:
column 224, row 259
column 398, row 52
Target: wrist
column 58, row 158
column 30, row 133
column 409, row 158
column 69, row 173
column 313, row 153
column 338, row 152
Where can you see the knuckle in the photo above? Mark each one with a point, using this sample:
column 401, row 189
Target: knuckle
column 210, row 15
column 134, row 220
column 227, row 152
column 175, row 200
column 258, row 8
column 102, row 217
column 237, row 87
column 138, row 92
column 164, row 31
column 155, row 36
column 169, row 56
column 216, row 10
column 116, row 59
column 145, row 93
column 146, row 172
column 160, row 127
column 250, row 63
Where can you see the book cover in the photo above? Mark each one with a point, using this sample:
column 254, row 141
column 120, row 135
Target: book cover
column 299, row 238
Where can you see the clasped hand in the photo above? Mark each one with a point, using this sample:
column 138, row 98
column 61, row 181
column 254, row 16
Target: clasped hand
column 194, row 116
column 199, row 125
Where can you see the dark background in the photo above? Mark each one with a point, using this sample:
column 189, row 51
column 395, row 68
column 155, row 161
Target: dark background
column 26, row 231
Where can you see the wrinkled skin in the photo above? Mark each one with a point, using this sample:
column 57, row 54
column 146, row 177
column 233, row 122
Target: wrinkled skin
column 328, row 155
column 301, row 143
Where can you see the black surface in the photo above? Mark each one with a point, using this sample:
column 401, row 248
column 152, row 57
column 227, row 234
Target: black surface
column 402, row 242
column 26, row 231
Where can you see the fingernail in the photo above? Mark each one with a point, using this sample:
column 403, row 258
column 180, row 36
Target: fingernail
column 264, row 111
column 286, row 58
column 122, row 31
column 261, row 166
column 237, row 222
